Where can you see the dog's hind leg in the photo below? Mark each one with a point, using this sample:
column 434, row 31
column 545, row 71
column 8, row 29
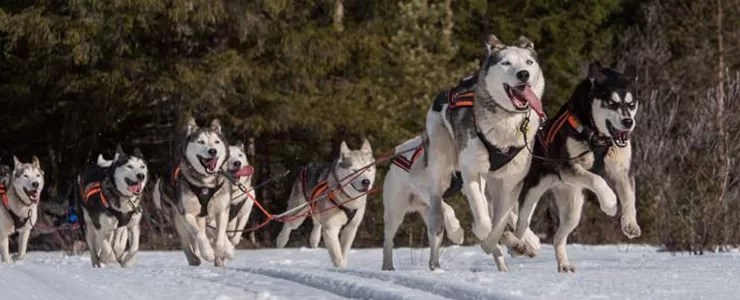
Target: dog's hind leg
column 241, row 223
column 570, row 203
column 186, row 242
column 289, row 226
column 5, row 248
column 315, row 236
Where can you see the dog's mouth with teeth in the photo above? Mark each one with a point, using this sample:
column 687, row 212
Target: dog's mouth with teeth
column 33, row 195
column 244, row 171
column 619, row 137
column 208, row 163
column 134, row 187
column 522, row 97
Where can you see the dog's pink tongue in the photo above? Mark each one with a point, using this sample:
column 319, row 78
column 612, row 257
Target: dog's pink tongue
column 533, row 100
column 244, row 171
column 212, row 163
column 136, row 188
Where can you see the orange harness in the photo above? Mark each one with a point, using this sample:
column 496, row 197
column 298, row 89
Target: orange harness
column 405, row 163
column 551, row 132
column 18, row 222
column 321, row 187
column 95, row 189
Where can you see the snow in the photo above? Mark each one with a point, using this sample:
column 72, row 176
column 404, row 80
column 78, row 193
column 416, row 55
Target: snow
column 603, row 272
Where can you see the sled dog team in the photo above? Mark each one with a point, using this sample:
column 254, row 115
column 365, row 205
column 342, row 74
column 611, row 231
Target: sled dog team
column 486, row 137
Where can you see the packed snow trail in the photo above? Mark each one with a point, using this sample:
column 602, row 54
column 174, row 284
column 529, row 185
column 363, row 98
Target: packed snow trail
column 603, row 272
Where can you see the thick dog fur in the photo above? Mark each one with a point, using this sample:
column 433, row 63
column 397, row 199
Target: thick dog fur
column 406, row 192
column 453, row 143
column 110, row 200
column 23, row 190
column 337, row 224
column 202, row 155
column 605, row 105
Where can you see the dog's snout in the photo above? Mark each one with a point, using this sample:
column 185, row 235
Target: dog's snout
column 141, row 176
column 35, row 185
column 213, row 152
column 237, row 164
column 366, row 182
column 523, row 75
column 628, row 122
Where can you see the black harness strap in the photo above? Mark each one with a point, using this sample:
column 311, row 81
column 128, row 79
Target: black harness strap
column 18, row 221
column 235, row 208
column 204, row 194
column 497, row 158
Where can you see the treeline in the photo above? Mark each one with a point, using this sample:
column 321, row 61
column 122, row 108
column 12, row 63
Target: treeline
column 292, row 79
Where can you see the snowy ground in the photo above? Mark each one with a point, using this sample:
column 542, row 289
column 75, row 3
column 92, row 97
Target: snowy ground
column 604, row 272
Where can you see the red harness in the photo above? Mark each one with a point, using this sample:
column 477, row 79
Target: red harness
column 405, row 163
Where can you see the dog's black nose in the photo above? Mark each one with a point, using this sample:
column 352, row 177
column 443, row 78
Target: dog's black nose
column 628, row 122
column 366, row 182
column 212, row 152
column 35, row 185
column 140, row 176
column 237, row 164
column 523, row 75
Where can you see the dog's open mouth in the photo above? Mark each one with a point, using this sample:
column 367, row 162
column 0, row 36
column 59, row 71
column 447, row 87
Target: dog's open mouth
column 619, row 137
column 133, row 187
column 522, row 97
column 244, row 171
column 209, row 163
column 33, row 195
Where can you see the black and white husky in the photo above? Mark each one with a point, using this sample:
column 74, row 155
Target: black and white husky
column 340, row 206
column 585, row 145
column 20, row 193
column 196, row 192
column 110, row 201
column 485, row 141
column 241, row 204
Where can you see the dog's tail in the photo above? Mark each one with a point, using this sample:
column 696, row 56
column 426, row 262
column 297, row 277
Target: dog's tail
column 157, row 195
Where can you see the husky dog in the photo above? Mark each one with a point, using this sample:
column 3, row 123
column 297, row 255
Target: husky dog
column 196, row 191
column 336, row 206
column 401, row 195
column 484, row 141
column 20, row 194
column 110, row 201
column 241, row 204
column 586, row 143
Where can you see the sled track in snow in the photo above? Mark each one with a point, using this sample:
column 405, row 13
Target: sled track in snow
column 347, row 286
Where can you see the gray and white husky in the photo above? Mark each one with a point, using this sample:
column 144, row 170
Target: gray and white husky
column 485, row 142
column 110, row 201
column 196, row 191
column 340, row 206
column 405, row 191
column 586, row 144
column 241, row 204
column 20, row 192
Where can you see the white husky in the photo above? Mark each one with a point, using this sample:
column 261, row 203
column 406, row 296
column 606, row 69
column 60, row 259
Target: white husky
column 336, row 205
column 20, row 195
column 484, row 141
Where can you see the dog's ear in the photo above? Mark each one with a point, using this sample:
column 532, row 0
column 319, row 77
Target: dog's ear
column 16, row 162
column 343, row 148
column 137, row 153
column 191, row 126
column 493, row 44
column 240, row 145
column 216, row 125
column 366, row 147
column 35, row 162
column 595, row 72
column 104, row 163
column 119, row 152
column 524, row 42
column 630, row 73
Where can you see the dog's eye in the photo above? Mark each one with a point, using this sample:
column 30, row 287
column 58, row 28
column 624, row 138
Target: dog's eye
column 25, row 176
column 217, row 142
column 202, row 142
column 506, row 63
column 529, row 62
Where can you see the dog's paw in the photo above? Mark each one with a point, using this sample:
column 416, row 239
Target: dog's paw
column 456, row 236
column 608, row 202
column 481, row 230
column 566, row 268
column 630, row 227
column 18, row 257
column 206, row 253
column 488, row 246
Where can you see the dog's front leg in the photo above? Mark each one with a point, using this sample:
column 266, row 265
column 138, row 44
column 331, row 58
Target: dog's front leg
column 23, row 236
column 106, row 250
column 347, row 236
column 120, row 237
column 223, row 248
column 315, row 237
column 501, row 204
column 5, row 247
column 134, row 235
column 473, row 188
column 331, row 241
column 624, row 185
column 198, row 233
column 580, row 177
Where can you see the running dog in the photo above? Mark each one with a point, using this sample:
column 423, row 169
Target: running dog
column 110, row 200
column 196, row 192
column 586, row 144
column 484, row 138
column 336, row 206
column 20, row 192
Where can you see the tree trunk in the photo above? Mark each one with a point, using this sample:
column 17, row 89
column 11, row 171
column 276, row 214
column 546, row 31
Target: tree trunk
column 339, row 15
